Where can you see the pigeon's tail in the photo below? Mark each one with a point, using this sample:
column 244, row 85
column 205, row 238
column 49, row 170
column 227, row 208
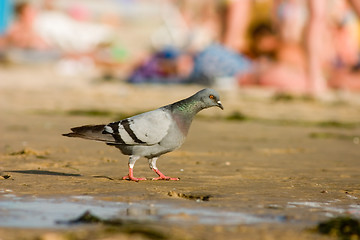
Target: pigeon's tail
column 92, row 132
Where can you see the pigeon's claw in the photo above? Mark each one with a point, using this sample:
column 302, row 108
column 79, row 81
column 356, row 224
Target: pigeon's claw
column 163, row 177
column 131, row 177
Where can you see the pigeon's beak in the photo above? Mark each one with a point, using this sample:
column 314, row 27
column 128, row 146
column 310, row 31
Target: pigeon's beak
column 220, row 105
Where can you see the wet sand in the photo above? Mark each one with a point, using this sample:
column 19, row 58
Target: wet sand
column 294, row 160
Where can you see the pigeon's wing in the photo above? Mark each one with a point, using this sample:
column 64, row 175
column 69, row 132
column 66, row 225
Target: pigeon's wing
column 144, row 129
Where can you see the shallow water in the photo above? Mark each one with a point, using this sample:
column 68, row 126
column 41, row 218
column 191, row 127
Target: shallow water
column 30, row 212
column 33, row 212
column 328, row 208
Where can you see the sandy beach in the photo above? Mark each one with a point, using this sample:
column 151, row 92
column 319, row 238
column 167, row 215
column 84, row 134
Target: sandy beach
column 286, row 163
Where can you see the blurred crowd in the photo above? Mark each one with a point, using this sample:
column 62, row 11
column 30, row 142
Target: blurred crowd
column 292, row 46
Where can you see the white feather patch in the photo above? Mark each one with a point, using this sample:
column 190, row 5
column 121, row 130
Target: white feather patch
column 125, row 136
column 108, row 129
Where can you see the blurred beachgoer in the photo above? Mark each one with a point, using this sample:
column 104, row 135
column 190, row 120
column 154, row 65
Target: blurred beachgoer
column 290, row 18
column 89, row 35
column 161, row 67
column 24, row 44
column 331, row 50
column 215, row 46
column 79, row 13
column 21, row 33
column 355, row 4
column 264, row 41
column 83, row 42
column 192, row 29
column 187, row 25
column 279, row 58
column 278, row 65
column 217, row 63
column 343, row 50
column 237, row 21
column 317, row 46
column 345, row 32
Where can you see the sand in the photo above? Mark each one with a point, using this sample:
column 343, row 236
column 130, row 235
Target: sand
column 293, row 160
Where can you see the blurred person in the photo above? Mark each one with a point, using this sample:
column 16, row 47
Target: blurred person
column 86, row 45
column 24, row 44
column 79, row 13
column 290, row 18
column 22, row 33
column 316, row 46
column 279, row 65
column 187, row 28
column 264, row 41
column 346, row 74
column 187, row 25
column 297, row 71
column 237, row 21
column 355, row 4
column 192, row 29
column 217, row 59
column 160, row 67
column 88, row 34
column 278, row 55
column 330, row 56
column 344, row 51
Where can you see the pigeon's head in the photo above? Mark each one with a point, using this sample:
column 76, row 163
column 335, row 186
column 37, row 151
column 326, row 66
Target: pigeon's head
column 209, row 98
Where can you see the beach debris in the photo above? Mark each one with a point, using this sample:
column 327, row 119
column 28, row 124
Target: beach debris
column 30, row 152
column 344, row 227
column 88, row 217
column 127, row 227
column 4, row 176
column 191, row 196
column 274, row 206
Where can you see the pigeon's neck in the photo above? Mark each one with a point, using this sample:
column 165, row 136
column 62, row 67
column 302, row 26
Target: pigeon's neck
column 188, row 107
column 184, row 112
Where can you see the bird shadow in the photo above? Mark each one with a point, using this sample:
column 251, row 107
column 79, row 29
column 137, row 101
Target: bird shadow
column 45, row 172
column 101, row 176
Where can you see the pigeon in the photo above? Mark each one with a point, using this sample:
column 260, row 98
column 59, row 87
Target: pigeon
column 151, row 134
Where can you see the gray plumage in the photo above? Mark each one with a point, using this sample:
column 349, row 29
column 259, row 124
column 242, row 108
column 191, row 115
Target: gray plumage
column 152, row 133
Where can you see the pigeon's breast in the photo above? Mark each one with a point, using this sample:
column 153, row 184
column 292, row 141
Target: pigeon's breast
column 176, row 135
column 182, row 124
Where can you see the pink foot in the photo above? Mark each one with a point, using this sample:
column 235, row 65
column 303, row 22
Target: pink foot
column 131, row 177
column 163, row 177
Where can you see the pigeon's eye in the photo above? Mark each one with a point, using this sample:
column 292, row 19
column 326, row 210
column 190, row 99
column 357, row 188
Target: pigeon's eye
column 211, row 97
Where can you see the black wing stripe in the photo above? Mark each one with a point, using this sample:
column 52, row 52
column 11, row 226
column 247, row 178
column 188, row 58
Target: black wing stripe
column 126, row 125
column 115, row 127
column 118, row 138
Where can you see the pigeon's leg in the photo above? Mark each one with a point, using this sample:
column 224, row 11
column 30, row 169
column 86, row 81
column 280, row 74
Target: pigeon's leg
column 152, row 165
column 131, row 177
